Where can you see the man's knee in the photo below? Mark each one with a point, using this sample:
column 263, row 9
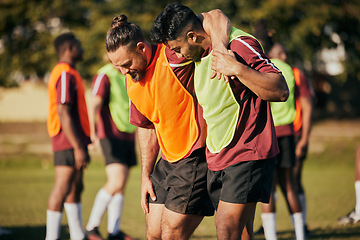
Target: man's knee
column 225, row 222
column 114, row 187
column 153, row 235
column 178, row 226
column 153, row 230
column 60, row 190
column 153, row 221
column 79, row 187
column 57, row 198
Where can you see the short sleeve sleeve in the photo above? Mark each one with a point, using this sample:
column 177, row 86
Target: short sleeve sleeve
column 138, row 119
column 65, row 89
column 249, row 52
column 101, row 86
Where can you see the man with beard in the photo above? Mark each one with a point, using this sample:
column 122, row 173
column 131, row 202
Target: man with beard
column 160, row 87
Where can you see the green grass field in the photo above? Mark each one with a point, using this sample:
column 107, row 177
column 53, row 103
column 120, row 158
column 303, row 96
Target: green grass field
column 27, row 175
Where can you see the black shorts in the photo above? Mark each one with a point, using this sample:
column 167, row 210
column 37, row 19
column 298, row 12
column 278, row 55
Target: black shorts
column 297, row 138
column 118, row 151
column 286, row 157
column 243, row 182
column 66, row 157
column 181, row 186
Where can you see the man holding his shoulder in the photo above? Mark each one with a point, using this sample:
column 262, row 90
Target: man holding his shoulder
column 241, row 141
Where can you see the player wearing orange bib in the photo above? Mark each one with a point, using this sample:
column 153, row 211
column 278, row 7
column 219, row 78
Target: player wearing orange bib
column 68, row 127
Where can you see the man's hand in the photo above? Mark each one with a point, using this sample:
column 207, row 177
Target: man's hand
column 223, row 63
column 218, row 74
column 95, row 142
column 300, row 149
column 146, row 190
column 81, row 159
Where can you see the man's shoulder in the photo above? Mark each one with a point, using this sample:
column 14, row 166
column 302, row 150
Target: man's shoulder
column 247, row 43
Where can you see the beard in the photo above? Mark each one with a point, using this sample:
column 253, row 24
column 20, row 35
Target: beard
column 136, row 75
column 196, row 53
column 139, row 73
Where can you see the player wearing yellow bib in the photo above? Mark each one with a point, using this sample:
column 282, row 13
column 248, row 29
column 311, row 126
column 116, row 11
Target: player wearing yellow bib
column 241, row 141
column 116, row 136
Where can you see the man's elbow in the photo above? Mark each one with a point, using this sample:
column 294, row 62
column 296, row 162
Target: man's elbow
column 283, row 90
column 216, row 12
column 284, row 96
column 276, row 96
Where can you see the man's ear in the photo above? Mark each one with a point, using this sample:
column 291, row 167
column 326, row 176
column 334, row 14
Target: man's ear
column 140, row 46
column 71, row 45
column 192, row 36
column 65, row 48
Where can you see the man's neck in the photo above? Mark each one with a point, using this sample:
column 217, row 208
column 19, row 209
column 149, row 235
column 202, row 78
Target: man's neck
column 67, row 60
column 205, row 43
column 150, row 52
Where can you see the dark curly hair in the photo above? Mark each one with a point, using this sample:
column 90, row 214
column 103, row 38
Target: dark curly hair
column 174, row 20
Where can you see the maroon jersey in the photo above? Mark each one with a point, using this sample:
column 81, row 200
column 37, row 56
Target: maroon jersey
column 255, row 137
column 184, row 71
column 66, row 94
column 284, row 130
column 105, row 126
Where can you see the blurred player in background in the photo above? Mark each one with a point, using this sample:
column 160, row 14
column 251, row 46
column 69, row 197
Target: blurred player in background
column 68, row 127
column 354, row 216
column 304, row 98
column 110, row 103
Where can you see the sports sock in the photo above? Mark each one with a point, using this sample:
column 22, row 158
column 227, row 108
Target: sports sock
column 53, row 225
column 115, row 209
column 74, row 216
column 297, row 219
column 302, row 200
column 101, row 201
column 269, row 225
column 275, row 196
column 357, row 194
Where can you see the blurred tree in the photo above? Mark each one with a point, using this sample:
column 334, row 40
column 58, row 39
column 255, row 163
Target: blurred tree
column 323, row 37
column 100, row 15
column 28, row 27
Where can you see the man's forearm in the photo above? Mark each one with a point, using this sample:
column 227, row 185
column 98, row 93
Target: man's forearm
column 218, row 26
column 96, row 103
column 149, row 149
column 306, row 114
column 268, row 86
